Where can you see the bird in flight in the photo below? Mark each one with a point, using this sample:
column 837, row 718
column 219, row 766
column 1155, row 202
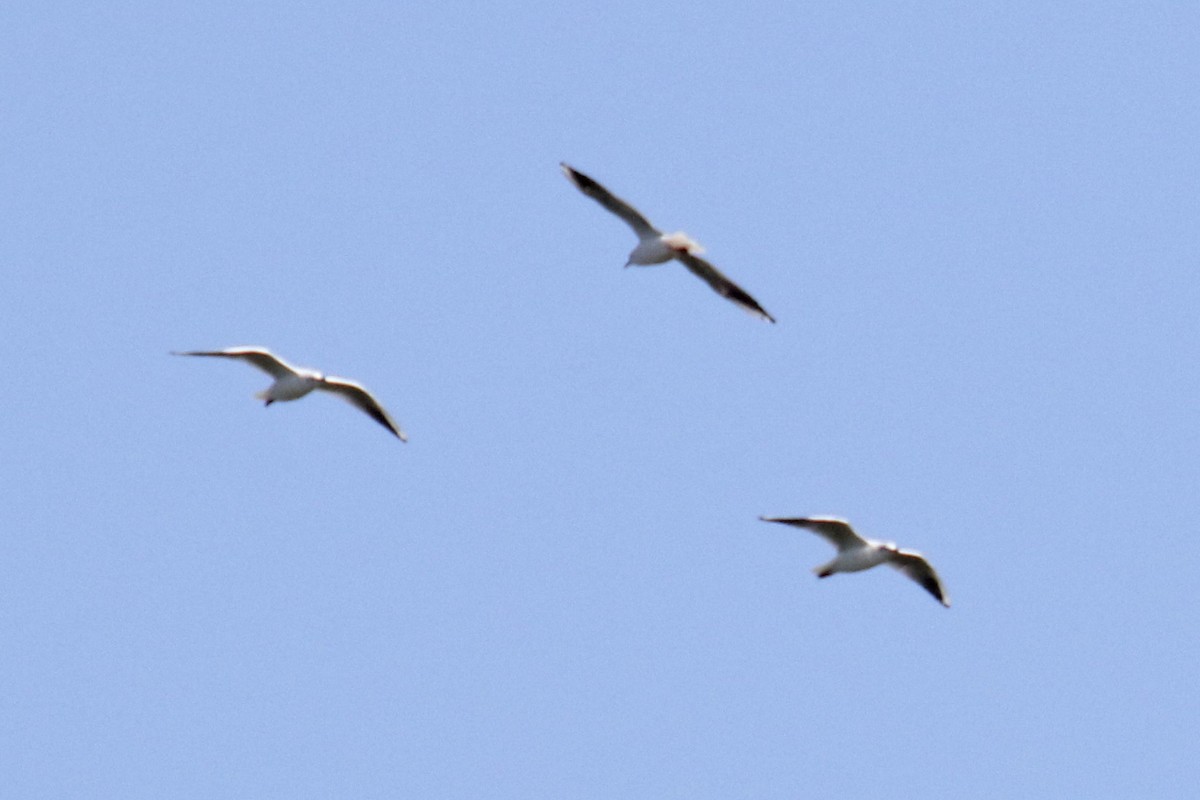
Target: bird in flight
column 655, row 247
column 856, row 553
column 292, row 383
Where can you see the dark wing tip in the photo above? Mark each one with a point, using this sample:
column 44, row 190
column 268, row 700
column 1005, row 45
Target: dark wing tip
column 386, row 422
column 731, row 291
column 795, row 521
column 379, row 415
column 920, row 571
column 940, row 593
column 581, row 181
column 934, row 588
column 197, row 353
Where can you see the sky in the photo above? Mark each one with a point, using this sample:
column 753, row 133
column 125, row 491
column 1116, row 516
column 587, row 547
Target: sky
column 976, row 224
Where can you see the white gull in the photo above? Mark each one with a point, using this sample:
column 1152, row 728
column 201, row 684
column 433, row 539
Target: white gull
column 856, row 553
column 656, row 247
column 292, row 383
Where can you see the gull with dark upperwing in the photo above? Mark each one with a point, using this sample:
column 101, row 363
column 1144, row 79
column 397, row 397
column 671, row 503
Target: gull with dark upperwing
column 292, row 383
column 856, row 553
column 656, row 247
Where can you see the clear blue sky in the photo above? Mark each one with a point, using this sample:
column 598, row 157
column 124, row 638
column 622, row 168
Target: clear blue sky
column 975, row 222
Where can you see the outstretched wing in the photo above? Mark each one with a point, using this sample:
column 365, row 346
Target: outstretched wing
column 722, row 285
column 259, row 357
column 916, row 567
column 833, row 530
column 641, row 226
column 365, row 401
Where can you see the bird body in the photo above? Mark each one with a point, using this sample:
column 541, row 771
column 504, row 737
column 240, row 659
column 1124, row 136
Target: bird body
column 856, row 553
column 290, row 387
column 292, row 383
column 854, row 560
column 656, row 247
column 659, row 248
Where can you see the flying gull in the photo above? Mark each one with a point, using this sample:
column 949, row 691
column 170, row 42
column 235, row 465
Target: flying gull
column 655, row 247
column 856, row 553
column 292, row 383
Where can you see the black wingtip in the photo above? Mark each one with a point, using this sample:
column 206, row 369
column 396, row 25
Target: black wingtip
column 581, row 181
column 750, row 304
column 386, row 422
column 736, row 294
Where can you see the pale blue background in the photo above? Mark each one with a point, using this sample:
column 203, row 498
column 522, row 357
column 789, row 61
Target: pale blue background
column 975, row 222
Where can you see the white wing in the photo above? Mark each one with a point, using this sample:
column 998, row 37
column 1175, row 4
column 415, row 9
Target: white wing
column 722, row 285
column 916, row 567
column 833, row 530
column 365, row 401
column 259, row 357
column 641, row 226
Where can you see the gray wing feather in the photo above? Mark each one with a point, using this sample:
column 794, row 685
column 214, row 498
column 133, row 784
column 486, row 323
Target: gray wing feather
column 641, row 226
column 835, row 531
column 914, row 566
column 722, row 285
column 259, row 357
column 364, row 401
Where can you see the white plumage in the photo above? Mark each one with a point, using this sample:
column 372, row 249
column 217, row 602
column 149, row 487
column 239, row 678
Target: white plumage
column 856, row 553
column 292, row 383
column 656, row 247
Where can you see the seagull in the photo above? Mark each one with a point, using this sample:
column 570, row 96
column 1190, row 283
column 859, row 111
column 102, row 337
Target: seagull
column 856, row 553
column 292, row 383
column 656, row 247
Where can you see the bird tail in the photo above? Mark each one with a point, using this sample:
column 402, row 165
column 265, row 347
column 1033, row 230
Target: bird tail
column 265, row 394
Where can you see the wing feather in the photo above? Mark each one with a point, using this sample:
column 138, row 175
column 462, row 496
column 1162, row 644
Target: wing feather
column 914, row 566
column 259, row 357
column 641, row 226
column 364, row 401
column 833, row 530
column 721, row 284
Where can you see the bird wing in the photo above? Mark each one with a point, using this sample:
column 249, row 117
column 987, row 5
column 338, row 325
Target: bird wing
column 722, row 285
column 259, row 357
column 835, row 531
column 641, row 226
column 916, row 567
column 364, row 400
